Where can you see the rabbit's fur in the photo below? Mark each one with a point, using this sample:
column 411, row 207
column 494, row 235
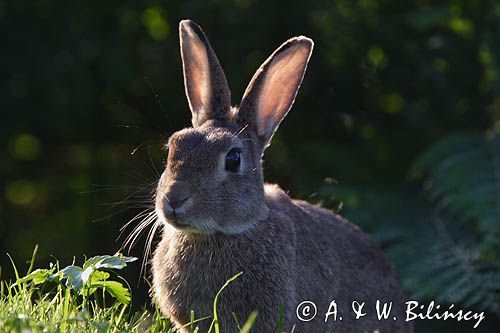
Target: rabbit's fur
column 218, row 223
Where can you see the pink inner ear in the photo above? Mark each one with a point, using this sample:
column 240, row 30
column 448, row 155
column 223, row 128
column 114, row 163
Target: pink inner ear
column 280, row 86
column 198, row 72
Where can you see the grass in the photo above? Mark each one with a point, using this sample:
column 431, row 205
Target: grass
column 88, row 298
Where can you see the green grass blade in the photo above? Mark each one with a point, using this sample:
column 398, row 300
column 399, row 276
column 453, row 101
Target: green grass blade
column 215, row 321
column 32, row 262
column 236, row 321
column 282, row 317
column 250, row 322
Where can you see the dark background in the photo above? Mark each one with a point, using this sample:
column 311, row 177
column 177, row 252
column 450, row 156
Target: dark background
column 89, row 92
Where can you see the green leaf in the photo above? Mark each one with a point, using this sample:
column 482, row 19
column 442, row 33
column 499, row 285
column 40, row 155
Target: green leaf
column 87, row 273
column 38, row 276
column 116, row 289
column 73, row 276
column 56, row 277
column 109, row 262
column 99, row 276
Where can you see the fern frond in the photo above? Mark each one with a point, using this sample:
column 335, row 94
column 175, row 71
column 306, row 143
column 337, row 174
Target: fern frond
column 446, row 243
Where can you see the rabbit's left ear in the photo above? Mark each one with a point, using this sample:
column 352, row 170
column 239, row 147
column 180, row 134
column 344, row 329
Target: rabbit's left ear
column 273, row 88
column 206, row 85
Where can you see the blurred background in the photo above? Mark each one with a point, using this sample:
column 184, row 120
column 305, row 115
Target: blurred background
column 396, row 126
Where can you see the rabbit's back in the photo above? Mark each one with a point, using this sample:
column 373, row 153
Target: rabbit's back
column 336, row 260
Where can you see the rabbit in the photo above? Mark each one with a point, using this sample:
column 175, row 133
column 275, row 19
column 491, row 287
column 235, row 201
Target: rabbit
column 219, row 218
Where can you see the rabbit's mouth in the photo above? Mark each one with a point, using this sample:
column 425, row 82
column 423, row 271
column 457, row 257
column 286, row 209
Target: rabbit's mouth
column 174, row 211
column 177, row 219
column 179, row 224
column 181, row 221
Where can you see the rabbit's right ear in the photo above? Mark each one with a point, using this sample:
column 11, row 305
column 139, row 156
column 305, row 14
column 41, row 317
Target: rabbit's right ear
column 204, row 80
column 273, row 88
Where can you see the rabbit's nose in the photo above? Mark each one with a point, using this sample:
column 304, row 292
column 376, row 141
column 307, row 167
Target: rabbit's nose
column 176, row 194
column 175, row 202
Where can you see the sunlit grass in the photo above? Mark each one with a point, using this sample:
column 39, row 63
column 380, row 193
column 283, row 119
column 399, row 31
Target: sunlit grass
column 88, row 298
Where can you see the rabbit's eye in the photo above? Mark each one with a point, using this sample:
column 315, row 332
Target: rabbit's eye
column 233, row 160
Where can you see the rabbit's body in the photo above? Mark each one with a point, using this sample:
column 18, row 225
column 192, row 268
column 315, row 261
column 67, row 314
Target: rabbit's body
column 220, row 219
column 299, row 252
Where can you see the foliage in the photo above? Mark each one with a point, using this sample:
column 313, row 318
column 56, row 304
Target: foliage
column 54, row 299
column 445, row 243
column 61, row 300
column 463, row 185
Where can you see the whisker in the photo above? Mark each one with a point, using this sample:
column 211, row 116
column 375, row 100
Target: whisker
column 129, row 197
column 140, row 177
column 132, row 126
column 114, row 186
column 139, row 146
column 110, row 215
column 152, row 163
column 240, row 131
column 130, row 108
column 138, row 199
column 144, row 213
column 131, row 240
column 124, row 188
column 158, row 101
column 147, row 249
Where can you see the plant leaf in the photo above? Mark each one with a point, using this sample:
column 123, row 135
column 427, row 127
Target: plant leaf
column 109, row 262
column 99, row 276
column 73, row 276
column 116, row 289
column 87, row 273
column 37, row 276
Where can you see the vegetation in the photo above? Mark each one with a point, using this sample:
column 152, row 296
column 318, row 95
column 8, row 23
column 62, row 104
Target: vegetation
column 447, row 241
column 399, row 112
column 76, row 299
column 85, row 299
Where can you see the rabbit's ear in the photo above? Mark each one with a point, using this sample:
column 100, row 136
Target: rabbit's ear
column 273, row 88
column 204, row 80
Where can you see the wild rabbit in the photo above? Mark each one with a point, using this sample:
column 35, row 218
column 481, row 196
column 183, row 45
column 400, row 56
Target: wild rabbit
column 220, row 218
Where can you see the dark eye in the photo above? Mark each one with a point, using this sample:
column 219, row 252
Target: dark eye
column 233, row 160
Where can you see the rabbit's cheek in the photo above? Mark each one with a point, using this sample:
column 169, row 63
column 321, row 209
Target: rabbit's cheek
column 160, row 213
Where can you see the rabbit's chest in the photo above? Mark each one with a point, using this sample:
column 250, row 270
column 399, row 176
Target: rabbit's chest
column 187, row 276
column 188, row 279
column 200, row 273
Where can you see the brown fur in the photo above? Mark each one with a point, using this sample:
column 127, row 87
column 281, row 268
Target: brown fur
column 219, row 223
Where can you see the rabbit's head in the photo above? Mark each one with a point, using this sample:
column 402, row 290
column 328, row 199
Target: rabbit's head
column 213, row 179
